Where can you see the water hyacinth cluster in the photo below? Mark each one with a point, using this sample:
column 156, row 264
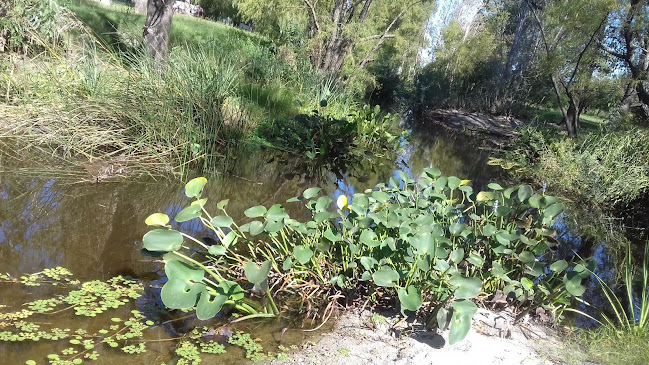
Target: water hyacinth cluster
column 430, row 240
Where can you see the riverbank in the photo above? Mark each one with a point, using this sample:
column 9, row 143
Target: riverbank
column 365, row 338
column 494, row 129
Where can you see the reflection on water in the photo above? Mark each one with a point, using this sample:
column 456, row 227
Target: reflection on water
column 95, row 230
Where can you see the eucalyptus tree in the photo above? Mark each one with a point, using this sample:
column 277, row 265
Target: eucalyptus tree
column 570, row 31
column 627, row 40
column 337, row 29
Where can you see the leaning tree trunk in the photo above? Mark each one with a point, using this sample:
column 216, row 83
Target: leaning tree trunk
column 157, row 28
column 140, row 6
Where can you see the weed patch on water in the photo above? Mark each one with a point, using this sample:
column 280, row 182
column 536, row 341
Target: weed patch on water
column 432, row 240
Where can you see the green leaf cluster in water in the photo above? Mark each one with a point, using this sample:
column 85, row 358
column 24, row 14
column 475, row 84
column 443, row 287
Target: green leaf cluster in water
column 425, row 239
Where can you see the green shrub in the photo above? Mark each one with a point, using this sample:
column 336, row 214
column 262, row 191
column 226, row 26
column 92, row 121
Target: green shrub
column 605, row 169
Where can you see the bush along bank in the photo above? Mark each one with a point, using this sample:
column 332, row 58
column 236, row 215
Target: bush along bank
column 607, row 170
column 431, row 240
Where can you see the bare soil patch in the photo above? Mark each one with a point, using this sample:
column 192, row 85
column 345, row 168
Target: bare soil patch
column 370, row 339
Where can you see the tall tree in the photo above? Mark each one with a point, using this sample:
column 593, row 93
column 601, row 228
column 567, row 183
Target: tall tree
column 570, row 31
column 628, row 41
column 340, row 28
column 157, row 28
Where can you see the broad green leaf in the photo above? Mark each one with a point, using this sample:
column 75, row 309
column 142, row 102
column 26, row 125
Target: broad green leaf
column 157, row 219
column 463, row 312
column 465, row 307
column 311, row 193
column 524, row 192
column 465, row 288
column 321, row 217
column 535, row 201
column 460, row 327
column 433, row 172
column 199, row 202
column 380, row 196
column 526, row 257
column 183, row 285
column 559, row 266
column 488, row 230
column 368, row 262
column 254, row 212
column 572, row 280
column 222, row 221
column 475, row 260
column 208, row 306
column 553, row 210
column 361, row 201
column 189, row 213
column 323, row 203
column 456, row 228
column 410, row 299
column 508, row 192
column 257, row 274
column 162, row 240
column 180, row 294
column 222, row 204
column 329, row 234
column 194, row 188
column 453, row 182
column 369, row 238
column 424, row 243
column 366, row 276
column 217, row 250
column 457, row 255
column 229, row 239
column 256, row 227
column 287, row 264
column 494, row 186
column 302, row 254
column 441, row 266
column 386, row 277
column 231, row 290
column 440, row 183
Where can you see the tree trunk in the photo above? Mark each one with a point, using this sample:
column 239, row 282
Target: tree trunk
column 157, row 27
column 572, row 118
column 140, row 6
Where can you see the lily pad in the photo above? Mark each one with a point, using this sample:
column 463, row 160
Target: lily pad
column 162, row 240
column 222, row 221
column 386, row 277
column 410, row 299
column 257, row 274
column 189, row 213
column 302, row 254
column 194, row 188
column 254, row 212
column 157, row 219
column 208, row 306
column 466, row 288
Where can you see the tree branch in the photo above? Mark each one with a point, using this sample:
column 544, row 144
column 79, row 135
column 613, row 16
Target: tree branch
column 313, row 14
column 377, row 36
column 586, row 47
column 383, row 37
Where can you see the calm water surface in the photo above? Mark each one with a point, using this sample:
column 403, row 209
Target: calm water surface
column 95, row 231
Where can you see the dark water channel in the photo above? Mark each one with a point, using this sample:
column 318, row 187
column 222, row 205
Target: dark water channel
column 95, row 230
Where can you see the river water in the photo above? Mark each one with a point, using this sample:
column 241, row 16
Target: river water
column 95, row 229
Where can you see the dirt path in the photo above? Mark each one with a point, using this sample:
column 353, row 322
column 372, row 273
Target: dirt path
column 363, row 339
